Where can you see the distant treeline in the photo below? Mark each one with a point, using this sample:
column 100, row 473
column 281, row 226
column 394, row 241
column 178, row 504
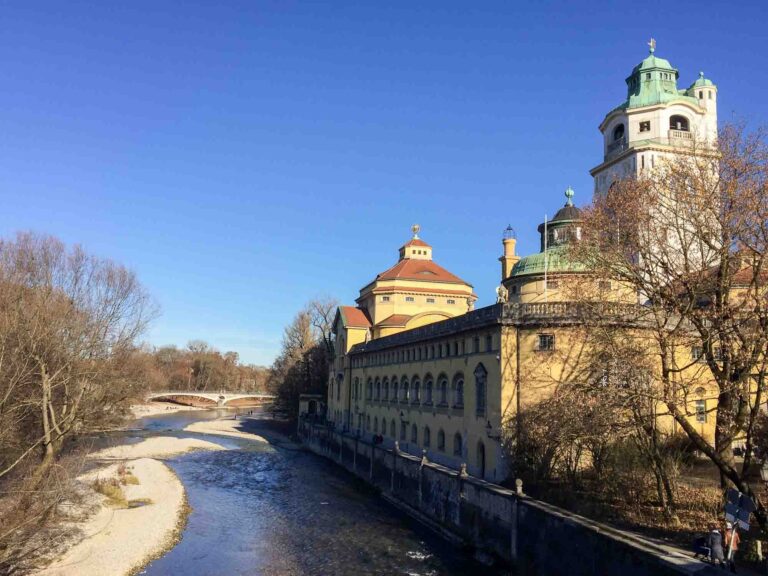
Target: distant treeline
column 200, row 367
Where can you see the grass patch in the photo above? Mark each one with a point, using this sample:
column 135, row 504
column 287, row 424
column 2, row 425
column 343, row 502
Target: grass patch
column 110, row 487
column 128, row 478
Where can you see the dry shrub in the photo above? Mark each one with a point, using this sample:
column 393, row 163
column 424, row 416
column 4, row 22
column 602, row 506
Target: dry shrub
column 33, row 504
column 110, row 487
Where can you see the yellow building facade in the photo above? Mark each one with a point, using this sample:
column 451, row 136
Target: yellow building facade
column 416, row 364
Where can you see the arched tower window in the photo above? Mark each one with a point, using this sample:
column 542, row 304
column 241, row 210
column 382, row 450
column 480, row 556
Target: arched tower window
column 427, row 436
column 678, row 122
column 618, row 132
column 428, row 390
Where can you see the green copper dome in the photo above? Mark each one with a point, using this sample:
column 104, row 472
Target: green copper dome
column 701, row 81
column 654, row 81
column 556, row 260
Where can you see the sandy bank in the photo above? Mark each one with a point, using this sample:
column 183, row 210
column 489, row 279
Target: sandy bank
column 116, row 541
column 223, row 427
column 157, row 447
column 155, row 408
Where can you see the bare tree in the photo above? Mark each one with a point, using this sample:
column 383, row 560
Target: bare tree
column 689, row 238
column 68, row 326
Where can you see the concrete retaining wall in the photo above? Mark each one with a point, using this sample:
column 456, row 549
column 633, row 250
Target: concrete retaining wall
column 534, row 537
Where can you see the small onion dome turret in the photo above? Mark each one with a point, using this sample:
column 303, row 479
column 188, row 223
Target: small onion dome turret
column 556, row 234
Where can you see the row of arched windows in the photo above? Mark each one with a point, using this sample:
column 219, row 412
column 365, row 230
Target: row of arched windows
column 426, row 434
column 436, row 351
column 413, row 391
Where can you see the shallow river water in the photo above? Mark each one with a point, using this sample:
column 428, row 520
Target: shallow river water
column 270, row 509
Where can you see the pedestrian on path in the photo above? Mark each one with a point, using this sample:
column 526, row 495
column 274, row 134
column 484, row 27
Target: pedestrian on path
column 715, row 544
column 732, row 540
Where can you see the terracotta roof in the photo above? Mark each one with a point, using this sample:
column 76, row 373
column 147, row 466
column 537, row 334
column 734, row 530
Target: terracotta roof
column 354, row 317
column 425, row 270
column 395, row 320
column 416, row 242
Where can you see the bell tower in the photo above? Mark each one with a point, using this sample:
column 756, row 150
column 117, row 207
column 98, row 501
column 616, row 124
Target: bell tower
column 656, row 121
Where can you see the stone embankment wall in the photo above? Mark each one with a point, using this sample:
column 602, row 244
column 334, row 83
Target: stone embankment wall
column 534, row 537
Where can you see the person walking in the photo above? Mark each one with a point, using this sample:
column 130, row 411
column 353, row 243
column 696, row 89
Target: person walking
column 715, row 544
column 732, row 540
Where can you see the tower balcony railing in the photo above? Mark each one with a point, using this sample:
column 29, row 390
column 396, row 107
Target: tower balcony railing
column 615, row 148
column 680, row 137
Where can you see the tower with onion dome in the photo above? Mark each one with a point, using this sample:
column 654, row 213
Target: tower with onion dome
column 656, row 121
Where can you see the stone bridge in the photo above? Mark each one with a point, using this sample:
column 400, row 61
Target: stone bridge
column 195, row 397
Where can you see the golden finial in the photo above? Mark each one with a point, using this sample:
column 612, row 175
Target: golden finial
column 415, row 229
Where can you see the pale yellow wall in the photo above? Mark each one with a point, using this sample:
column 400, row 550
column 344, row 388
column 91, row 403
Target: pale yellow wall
column 381, row 306
column 466, row 421
column 570, row 288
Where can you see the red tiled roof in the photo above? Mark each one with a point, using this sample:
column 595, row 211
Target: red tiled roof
column 425, row 270
column 416, row 242
column 395, row 320
column 354, row 317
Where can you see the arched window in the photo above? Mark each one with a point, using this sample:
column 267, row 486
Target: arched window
column 402, row 431
column 416, row 390
column 442, row 386
column 368, row 422
column 393, row 429
column 378, row 389
column 458, row 390
column 457, row 444
column 480, row 459
column 481, row 392
column 405, row 394
column 395, row 390
column 428, row 390
column 618, row 132
column 375, row 424
column 441, row 441
column 427, row 436
column 338, row 387
column 385, row 385
column 369, row 389
column 414, row 434
column 678, row 122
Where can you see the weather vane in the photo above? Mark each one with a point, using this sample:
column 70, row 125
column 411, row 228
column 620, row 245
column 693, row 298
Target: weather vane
column 415, row 229
column 652, row 45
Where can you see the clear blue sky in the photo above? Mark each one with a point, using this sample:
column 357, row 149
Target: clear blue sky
column 244, row 157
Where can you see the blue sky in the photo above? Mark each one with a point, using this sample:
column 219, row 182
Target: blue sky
column 244, row 157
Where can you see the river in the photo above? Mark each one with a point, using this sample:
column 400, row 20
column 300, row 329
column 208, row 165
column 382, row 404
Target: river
column 272, row 509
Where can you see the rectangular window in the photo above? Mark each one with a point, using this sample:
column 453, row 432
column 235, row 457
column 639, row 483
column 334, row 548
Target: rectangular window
column 476, row 345
column 697, row 353
column 430, row 300
column 645, row 126
column 385, row 298
column 451, row 301
column 488, row 343
column 513, row 290
column 409, row 298
column 546, row 342
column 701, row 410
